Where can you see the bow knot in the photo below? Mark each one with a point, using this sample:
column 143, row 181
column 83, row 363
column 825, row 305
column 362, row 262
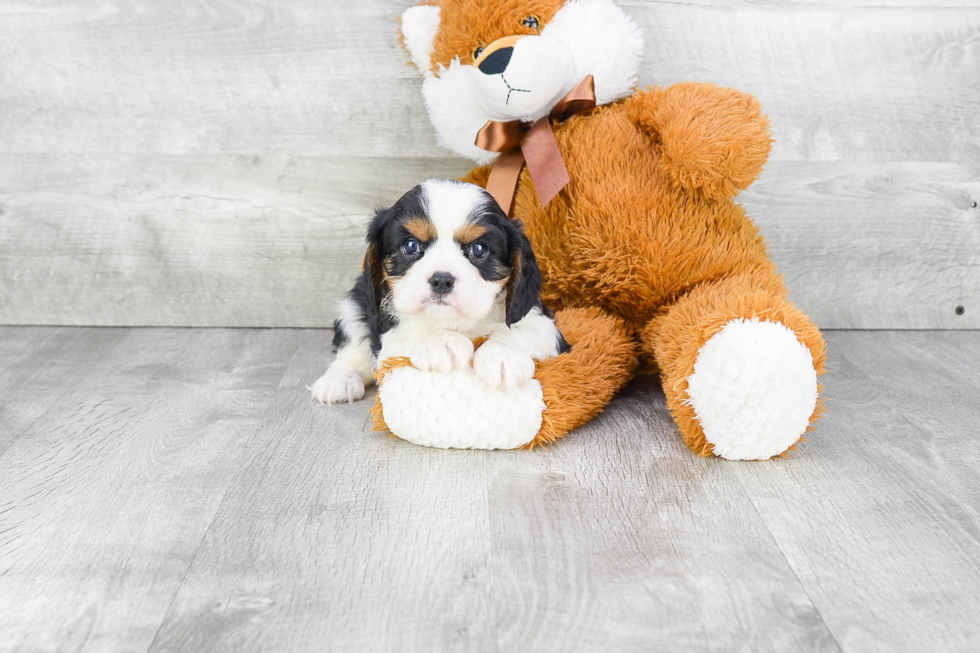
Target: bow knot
column 519, row 142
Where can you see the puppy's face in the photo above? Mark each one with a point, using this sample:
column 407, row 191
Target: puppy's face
column 447, row 253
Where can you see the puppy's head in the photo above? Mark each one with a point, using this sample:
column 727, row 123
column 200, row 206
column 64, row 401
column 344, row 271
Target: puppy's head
column 445, row 252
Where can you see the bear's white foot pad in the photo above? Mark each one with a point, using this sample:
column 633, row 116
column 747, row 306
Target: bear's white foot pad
column 337, row 386
column 753, row 389
column 457, row 410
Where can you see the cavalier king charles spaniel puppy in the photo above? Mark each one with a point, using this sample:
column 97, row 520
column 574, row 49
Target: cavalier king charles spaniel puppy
column 443, row 265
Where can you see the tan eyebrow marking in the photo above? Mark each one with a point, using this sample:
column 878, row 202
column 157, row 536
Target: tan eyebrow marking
column 422, row 228
column 468, row 232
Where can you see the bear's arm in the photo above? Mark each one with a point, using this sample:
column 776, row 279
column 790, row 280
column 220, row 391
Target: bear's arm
column 477, row 176
column 713, row 140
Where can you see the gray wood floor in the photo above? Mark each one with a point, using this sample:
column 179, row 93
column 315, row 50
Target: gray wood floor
column 167, row 489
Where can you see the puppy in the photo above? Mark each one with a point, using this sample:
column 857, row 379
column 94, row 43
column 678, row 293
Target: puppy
column 443, row 265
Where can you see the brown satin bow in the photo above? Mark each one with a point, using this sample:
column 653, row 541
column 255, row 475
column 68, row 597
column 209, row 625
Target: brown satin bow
column 518, row 142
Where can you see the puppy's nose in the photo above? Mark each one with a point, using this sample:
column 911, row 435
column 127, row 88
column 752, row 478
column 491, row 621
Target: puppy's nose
column 496, row 62
column 442, row 283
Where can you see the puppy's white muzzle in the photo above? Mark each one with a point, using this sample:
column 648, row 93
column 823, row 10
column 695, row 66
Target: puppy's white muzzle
column 470, row 299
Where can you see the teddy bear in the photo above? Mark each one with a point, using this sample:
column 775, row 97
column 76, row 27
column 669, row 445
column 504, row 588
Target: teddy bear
column 627, row 196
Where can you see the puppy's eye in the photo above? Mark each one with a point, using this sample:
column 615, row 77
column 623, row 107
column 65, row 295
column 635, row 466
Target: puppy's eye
column 411, row 246
column 530, row 22
column 477, row 53
column 478, row 250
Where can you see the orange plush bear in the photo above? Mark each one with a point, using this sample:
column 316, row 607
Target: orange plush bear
column 628, row 198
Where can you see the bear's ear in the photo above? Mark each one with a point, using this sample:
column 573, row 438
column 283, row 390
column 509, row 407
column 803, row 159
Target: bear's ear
column 419, row 27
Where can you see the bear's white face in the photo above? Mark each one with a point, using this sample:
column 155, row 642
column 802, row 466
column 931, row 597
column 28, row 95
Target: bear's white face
column 520, row 78
column 523, row 76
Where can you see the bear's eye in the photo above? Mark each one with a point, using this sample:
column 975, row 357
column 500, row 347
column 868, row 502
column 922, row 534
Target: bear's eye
column 477, row 53
column 530, row 22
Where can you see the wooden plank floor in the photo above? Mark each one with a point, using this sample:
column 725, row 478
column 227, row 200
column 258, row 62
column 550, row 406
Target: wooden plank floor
column 176, row 490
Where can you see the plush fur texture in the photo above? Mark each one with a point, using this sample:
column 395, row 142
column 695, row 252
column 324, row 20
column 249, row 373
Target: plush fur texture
column 584, row 37
column 579, row 384
column 469, row 415
column 647, row 230
column 753, row 389
column 419, row 28
column 678, row 335
column 455, row 410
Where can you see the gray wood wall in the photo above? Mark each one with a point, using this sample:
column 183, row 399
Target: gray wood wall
column 214, row 162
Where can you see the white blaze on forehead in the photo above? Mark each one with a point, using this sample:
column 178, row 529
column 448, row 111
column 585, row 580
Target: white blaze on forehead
column 450, row 203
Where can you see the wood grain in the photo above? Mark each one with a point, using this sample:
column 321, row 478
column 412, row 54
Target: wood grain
column 229, row 240
column 645, row 547
column 879, row 514
column 106, row 495
column 221, row 240
column 335, row 537
column 38, row 363
column 175, row 489
column 841, row 79
column 212, row 163
column 874, row 246
column 850, row 81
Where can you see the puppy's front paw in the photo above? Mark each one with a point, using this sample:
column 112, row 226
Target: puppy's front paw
column 337, row 386
column 502, row 366
column 443, row 352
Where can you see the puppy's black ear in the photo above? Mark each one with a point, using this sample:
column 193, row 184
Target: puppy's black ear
column 524, row 287
column 374, row 285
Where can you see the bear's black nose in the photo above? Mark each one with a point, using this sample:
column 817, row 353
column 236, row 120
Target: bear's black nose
column 442, row 283
column 496, row 62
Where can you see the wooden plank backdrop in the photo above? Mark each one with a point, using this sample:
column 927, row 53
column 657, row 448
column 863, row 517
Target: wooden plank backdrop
column 213, row 162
